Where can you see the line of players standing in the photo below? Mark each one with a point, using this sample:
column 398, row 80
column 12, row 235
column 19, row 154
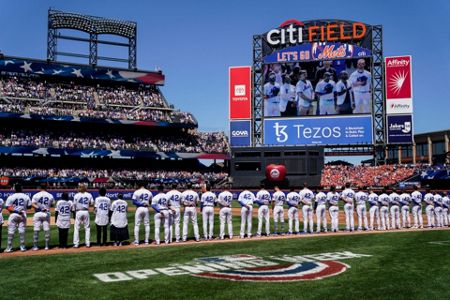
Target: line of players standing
column 387, row 211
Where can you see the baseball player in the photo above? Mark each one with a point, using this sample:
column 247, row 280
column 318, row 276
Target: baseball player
column 384, row 210
column 361, row 81
column 395, row 209
column 429, row 209
column 293, row 199
column 81, row 202
column 174, row 197
column 246, row 199
column 278, row 200
column 225, row 215
column 326, row 91
column 41, row 202
column 119, row 221
column 63, row 209
column 207, row 203
column 102, row 206
column 306, row 198
column 344, row 101
column 416, row 197
column 305, row 95
column 17, row 205
column 374, row 210
column 445, row 204
column 321, row 208
column 271, row 97
column 333, row 200
column 438, row 210
column 263, row 199
column 142, row 199
column 189, row 199
column 160, row 204
column 1, row 221
column 348, row 195
column 288, row 105
column 361, row 198
column 405, row 200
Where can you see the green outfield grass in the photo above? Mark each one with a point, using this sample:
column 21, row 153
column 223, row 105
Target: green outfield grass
column 401, row 266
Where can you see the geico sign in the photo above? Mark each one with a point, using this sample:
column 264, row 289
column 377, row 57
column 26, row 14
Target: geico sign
column 291, row 32
column 239, row 133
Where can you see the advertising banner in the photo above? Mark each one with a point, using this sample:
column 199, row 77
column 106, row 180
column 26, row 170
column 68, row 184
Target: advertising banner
column 399, row 129
column 398, row 74
column 240, row 93
column 317, row 51
column 318, row 131
column 240, row 133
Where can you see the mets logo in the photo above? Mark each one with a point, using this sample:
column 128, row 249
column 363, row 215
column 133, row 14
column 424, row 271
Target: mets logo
column 312, row 270
column 274, row 173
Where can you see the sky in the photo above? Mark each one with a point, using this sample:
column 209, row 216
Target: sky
column 195, row 42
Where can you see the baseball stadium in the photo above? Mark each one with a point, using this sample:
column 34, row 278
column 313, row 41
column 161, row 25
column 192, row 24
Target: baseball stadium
column 251, row 153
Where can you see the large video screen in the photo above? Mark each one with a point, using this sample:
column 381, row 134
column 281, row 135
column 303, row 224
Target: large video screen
column 318, row 88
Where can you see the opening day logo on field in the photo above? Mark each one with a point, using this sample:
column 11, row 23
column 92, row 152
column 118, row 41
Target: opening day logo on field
column 244, row 267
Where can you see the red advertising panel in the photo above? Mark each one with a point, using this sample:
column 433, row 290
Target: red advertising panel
column 240, row 93
column 398, row 84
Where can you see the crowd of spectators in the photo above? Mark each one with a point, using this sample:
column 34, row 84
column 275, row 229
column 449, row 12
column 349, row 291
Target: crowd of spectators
column 121, row 177
column 383, row 175
column 140, row 103
column 191, row 141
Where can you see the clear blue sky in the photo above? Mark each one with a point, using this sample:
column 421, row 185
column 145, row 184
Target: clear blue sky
column 194, row 43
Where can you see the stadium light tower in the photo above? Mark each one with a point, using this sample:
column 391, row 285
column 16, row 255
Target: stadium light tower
column 94, row 26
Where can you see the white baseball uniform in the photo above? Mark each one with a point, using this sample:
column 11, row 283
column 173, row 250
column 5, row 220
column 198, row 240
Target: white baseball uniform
column 327, row 102
column 348, row 195
column 438, row 210
column 246, row 199
column 429, row 210
column 225, row 215
column 44, row 200
column 102, row 205
column 361, row 209
column 362, row 90
column 405, row 200
column 384, row 211
column 293, row 199
column 272, row 103
column 263, row 199
column 374, row 211
column 208, row 200
column 160, row 203
column 64, row 208
column 304, row 87
column 174, row 197
column 321, row 208
column 445, row 214
column 306, row 197
column 189, row 199
column 416, row 197
column 333, row 200
column 395, row 210
column 17, row 205
column 142, row 198
column 119, row 210
column 278, row 198
column 81, row 203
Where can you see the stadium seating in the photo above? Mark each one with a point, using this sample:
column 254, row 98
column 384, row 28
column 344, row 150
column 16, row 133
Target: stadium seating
column 191, row 142
column 138, row 103
column 383, row 175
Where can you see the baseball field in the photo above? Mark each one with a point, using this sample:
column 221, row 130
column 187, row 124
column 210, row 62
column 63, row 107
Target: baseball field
column 401, row 265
